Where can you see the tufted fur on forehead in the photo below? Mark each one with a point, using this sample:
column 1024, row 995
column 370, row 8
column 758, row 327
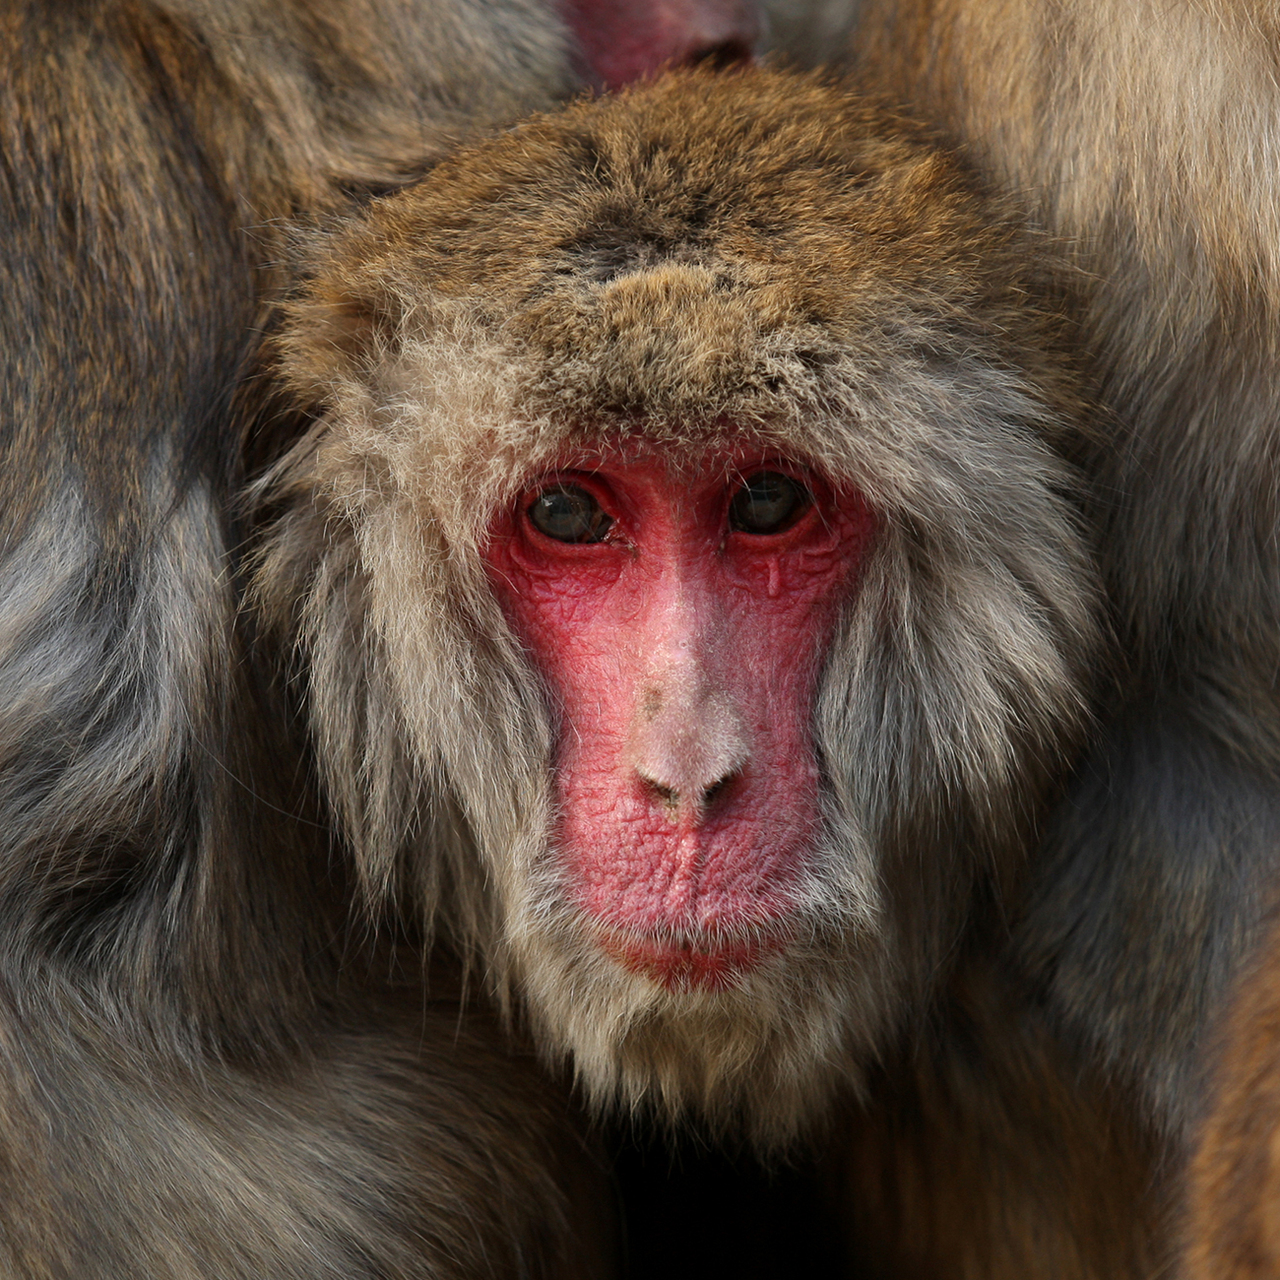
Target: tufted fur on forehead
column 706, row 251
column 752, row 258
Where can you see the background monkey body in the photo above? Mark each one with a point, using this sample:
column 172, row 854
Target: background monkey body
column 686, row 576
column 207, row 1068
column 1233, row 1191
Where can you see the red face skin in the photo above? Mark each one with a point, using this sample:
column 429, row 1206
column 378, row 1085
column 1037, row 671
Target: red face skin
column 629, row 41
column 684, row 655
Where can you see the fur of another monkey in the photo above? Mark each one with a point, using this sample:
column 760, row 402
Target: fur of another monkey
column 695, row 270
column 1232, row 1226
column 208, row 1067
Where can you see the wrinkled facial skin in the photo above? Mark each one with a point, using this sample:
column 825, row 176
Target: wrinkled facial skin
column 680, row 619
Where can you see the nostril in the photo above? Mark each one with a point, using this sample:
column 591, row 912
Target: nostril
column 668, row 795
column 717, row 57
column 717, row 789
column 686, row 743
column 707, row 796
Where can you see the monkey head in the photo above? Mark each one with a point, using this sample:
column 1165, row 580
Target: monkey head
column 686, row 574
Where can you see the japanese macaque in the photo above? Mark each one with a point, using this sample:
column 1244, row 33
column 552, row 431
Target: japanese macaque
column 210, row 1066
column 686, row 580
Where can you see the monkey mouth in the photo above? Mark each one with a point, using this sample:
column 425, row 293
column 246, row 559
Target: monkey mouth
column 710, row 963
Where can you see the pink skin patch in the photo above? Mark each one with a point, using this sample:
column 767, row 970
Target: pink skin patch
column 626, row 42
column 683, row 650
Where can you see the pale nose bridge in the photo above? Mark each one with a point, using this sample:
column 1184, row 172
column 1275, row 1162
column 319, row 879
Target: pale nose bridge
column 688, row 737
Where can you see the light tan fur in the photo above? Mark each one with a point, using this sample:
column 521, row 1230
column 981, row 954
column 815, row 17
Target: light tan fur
column 1148, row 134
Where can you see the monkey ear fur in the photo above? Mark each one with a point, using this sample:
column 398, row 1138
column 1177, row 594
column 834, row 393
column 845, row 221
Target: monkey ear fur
column 337, row 328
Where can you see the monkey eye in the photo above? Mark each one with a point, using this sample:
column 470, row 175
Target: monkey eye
column 768, row 502
column 569, row 514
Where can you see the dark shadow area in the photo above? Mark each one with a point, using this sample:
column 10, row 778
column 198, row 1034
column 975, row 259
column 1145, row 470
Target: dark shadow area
column 688, row 1212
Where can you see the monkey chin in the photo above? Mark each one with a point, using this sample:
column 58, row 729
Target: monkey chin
column 752, row 1032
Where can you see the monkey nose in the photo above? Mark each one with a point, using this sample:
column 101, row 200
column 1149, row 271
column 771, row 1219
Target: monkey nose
column 687, row 750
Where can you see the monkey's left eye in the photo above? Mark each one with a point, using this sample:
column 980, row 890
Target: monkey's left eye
column 569, row 514
column 768, row 502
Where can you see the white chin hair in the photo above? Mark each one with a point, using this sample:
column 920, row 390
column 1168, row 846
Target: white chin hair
column 763, row 1055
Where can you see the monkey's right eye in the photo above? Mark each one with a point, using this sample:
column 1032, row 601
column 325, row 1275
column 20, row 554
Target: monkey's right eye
column 769, row 502
column 569, row 514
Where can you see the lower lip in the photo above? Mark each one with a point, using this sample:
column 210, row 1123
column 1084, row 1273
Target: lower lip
column 685, row 967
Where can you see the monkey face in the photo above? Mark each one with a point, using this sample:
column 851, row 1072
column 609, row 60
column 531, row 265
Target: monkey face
column 686, row 569
column 679, row 618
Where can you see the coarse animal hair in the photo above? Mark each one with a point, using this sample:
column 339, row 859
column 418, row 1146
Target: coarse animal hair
column 1232, row 1192
column 764, row 260
column 1146, row 136
column 150, row 156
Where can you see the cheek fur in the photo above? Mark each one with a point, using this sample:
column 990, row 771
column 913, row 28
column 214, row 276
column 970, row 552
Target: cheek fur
column 682, row 657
